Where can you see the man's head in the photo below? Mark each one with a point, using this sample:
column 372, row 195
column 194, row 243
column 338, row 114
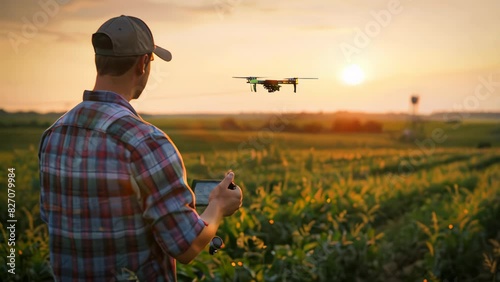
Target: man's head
column 124, row 47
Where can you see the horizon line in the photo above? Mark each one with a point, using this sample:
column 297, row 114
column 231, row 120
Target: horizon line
column 4, row 111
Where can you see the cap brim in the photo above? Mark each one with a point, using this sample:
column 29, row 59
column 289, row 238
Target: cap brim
column 164, row 54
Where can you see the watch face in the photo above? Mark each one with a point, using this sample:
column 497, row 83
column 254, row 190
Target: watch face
column 217, row 242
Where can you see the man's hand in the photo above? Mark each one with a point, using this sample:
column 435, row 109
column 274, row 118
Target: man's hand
column 221, row 202
column 225, row 199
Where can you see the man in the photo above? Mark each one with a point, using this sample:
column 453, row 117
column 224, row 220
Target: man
column 113, row 187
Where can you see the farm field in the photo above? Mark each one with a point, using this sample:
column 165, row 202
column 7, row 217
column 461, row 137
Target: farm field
column 194, row 135
column 317, row 207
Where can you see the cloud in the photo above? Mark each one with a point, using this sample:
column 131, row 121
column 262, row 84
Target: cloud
column 176, row 13
column 15, row 13
column 73, row 20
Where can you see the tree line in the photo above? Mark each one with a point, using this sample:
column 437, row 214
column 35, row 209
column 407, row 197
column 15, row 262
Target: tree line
column 338, row 125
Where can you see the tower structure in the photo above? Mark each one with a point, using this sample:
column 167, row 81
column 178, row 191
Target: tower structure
column 414, row 99
column 414, row 128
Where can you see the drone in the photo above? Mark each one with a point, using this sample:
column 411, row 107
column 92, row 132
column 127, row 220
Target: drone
column 272, row 85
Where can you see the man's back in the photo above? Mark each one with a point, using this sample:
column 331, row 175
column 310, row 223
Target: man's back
column 90, row 198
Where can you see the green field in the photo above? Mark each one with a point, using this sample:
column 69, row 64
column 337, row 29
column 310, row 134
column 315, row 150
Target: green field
column 195, row 135
column 317, row 207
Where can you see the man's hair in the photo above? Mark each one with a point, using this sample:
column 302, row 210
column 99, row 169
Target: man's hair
column 109, row 65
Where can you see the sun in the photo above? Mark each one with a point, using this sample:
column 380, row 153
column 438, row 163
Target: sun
column 353, row 75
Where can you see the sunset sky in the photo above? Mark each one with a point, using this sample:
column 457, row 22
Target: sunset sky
column 445, row 51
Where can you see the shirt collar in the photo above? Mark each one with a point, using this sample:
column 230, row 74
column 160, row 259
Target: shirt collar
column 108, row 97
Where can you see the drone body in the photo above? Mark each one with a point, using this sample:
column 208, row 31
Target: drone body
column 272, row 85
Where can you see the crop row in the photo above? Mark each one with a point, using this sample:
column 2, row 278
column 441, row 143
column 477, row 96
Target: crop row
column 306, row 217
column 304, row 230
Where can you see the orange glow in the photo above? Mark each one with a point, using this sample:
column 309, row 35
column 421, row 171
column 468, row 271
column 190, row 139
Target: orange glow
column 383, row 67
column 353, row 75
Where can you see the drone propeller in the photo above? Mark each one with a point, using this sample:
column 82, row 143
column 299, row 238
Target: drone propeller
column 301, row 78
column 249, row 77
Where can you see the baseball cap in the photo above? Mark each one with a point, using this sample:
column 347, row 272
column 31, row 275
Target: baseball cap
column 130, row 36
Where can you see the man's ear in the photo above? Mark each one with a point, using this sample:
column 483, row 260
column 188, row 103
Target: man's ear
column 142, row 63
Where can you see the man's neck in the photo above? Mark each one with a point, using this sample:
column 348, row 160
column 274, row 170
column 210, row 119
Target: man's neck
column 117, row 84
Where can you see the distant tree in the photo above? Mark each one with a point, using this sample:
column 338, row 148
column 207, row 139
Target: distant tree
column 292, row 127
column 229, row 124
column 280, row 125
column 313, row 127
column 346, row 125
column 372, row 127
column 247, row 126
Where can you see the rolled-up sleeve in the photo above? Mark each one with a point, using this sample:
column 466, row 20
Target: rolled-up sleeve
column 165, row 197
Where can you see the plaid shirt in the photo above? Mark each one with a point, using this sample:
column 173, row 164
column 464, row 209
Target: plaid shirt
column 114, row 195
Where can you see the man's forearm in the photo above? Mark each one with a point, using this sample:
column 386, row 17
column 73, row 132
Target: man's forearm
column 212, row 217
